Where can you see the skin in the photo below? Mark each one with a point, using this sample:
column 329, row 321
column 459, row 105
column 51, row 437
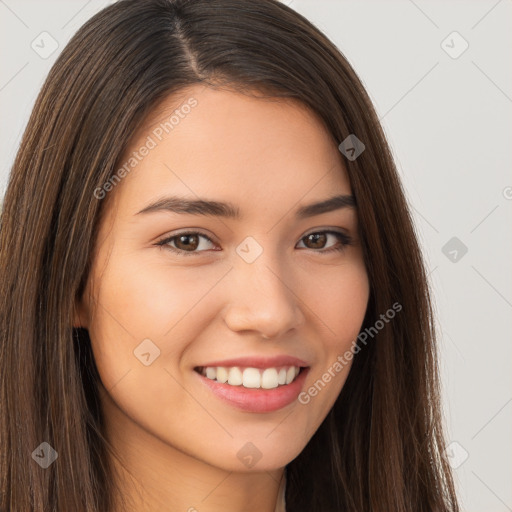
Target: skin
column 177, row 442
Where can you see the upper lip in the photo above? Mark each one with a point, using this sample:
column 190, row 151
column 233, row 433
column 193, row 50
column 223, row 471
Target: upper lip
column 259, row 362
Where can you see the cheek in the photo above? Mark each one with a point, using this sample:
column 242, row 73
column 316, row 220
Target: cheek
column 148, row 298
column 139, row 299
column 339, row 299
column 342, row 308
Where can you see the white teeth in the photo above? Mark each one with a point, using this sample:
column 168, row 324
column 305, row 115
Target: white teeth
column 211, row 373
column 222, row 374
column 235, row 376
column 290, row 374
column 251, row 378
column 269, row 378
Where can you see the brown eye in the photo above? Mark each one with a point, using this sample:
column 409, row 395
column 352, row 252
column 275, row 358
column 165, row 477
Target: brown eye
column 189, row 243
column 319, row 239
column 185, row 243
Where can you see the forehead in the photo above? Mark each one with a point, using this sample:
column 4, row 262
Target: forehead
column 225, row 144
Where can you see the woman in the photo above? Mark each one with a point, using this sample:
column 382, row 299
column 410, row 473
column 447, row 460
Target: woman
column 212, row 293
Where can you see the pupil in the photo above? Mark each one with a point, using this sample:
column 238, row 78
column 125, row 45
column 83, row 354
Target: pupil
column 183, row 238
column 316, row 237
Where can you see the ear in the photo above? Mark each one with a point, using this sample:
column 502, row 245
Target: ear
column 81, row 314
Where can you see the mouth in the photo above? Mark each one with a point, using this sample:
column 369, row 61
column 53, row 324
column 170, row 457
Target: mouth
column 254, row 390
column 251, row 378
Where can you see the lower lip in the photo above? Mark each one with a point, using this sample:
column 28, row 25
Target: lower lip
column 257, row 400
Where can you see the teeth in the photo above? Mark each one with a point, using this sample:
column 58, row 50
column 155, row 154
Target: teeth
column 211, row 373
column 251, row 378
column 254, row 378
column 235, row 376
column 220, row 373
column 269, row 378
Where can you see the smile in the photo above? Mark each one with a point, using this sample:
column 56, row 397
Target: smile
column 252, row 378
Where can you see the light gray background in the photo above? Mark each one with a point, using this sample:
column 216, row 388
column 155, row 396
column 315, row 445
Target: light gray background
column 450, row 126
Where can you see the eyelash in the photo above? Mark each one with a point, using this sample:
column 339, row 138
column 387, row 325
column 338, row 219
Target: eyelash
column 345, row 241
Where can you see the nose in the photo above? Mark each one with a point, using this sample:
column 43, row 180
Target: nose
column 262, row 299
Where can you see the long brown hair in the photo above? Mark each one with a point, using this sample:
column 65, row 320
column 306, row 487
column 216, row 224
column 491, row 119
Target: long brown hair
column 380, row 449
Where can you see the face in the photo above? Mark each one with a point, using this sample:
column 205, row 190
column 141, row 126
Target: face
column 175, row 294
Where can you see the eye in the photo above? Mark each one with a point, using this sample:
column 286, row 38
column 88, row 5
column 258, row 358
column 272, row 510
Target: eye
column 319, row 238
column 189, row 243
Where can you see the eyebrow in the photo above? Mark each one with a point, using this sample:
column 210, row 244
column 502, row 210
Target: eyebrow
column 230, row 211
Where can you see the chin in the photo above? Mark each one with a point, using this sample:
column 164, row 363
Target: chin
column 255, row 455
